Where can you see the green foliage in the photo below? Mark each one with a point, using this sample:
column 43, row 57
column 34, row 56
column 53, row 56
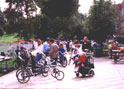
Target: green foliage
column 62, row 8
column 9, row 38
column 59, row 19
column 10, row 64
column 101, row 20
column 1, row 31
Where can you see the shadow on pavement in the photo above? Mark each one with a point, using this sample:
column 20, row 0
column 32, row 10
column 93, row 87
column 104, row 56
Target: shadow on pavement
column 81, row 78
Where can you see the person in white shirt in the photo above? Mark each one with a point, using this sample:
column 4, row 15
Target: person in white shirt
column 35, row 44
column 39, row 51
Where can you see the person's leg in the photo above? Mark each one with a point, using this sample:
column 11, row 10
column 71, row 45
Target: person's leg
column 60, row 57
column 33, row 63
column 37, row 58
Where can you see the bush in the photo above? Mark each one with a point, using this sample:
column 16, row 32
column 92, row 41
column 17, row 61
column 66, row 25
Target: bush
column 1, row 32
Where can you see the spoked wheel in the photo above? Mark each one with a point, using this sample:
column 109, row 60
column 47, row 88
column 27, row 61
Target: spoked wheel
column 53, row 73
column 64, row 62
column 59, row 75
column 22, row 69
column 45, row 71
column 15, row 65
column 91, row 73
column 23, row 76
column 18, row 71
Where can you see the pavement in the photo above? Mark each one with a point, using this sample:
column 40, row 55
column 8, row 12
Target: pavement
column 107, row 76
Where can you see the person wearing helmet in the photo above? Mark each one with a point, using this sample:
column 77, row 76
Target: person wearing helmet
column 23, row 55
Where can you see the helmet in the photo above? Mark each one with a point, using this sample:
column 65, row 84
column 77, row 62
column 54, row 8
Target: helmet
column 22, row 47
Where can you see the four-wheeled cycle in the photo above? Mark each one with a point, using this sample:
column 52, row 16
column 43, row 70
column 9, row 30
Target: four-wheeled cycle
column 23, row 74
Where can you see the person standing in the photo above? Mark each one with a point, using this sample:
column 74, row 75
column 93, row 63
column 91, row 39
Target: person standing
column 86, row 44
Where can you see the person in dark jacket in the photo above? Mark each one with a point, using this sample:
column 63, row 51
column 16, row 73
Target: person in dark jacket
column 86, row 44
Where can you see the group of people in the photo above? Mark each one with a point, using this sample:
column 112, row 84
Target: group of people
column 49, row 48
column 54, row 49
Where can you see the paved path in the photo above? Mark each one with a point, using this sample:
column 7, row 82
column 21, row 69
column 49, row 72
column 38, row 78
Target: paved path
column 107, row 76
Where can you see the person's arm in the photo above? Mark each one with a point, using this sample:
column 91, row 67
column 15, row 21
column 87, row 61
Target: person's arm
column 19, row 56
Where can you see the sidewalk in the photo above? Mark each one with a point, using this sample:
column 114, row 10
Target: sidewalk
column 107, row 76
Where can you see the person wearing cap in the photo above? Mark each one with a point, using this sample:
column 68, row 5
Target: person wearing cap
column 46, row 46
column 61, row 51
column 23, row 55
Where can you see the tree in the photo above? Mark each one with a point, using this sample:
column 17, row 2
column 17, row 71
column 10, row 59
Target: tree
column 101, row 20
column 2, row 22
column 2, row 19
column 59, row 16
column 19, row 13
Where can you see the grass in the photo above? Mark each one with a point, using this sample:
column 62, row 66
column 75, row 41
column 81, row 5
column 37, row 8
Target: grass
column 8, row 38
column 10, row 64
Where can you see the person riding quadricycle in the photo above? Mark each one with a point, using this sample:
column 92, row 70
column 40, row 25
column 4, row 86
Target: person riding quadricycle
column 83, row 64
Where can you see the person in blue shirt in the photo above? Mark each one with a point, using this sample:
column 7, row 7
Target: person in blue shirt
column 61, row 52
column 46, row 46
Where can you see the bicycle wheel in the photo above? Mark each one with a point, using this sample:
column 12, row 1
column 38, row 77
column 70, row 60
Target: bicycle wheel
column 23, row 76
column 15, row 65
column 18, row 71
column 45, row 71
column 21, row 69
column 64, row 62
column 59, row 75
column 54, row 73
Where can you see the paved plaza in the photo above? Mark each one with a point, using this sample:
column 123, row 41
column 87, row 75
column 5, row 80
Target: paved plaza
column 107, row 76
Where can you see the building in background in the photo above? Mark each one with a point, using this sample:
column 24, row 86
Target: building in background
column 120, row 18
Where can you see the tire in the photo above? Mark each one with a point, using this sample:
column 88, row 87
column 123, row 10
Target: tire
column 53, row 73
column 22, row 69
column 15, row 65
column 45, row 72
column 59, row 75
column 77, row 74
column 18, row 71
column 91, row 73
column 64, row 62
column 23, row 76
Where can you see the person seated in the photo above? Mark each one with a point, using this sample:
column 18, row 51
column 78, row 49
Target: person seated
column 23, row 55
column 39, row 52
column 46, row 46
column 111, row 47
column 61, row 52
column 80, row 59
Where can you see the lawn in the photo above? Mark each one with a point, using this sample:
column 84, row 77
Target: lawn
column 9, row 69
column 6, row 39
